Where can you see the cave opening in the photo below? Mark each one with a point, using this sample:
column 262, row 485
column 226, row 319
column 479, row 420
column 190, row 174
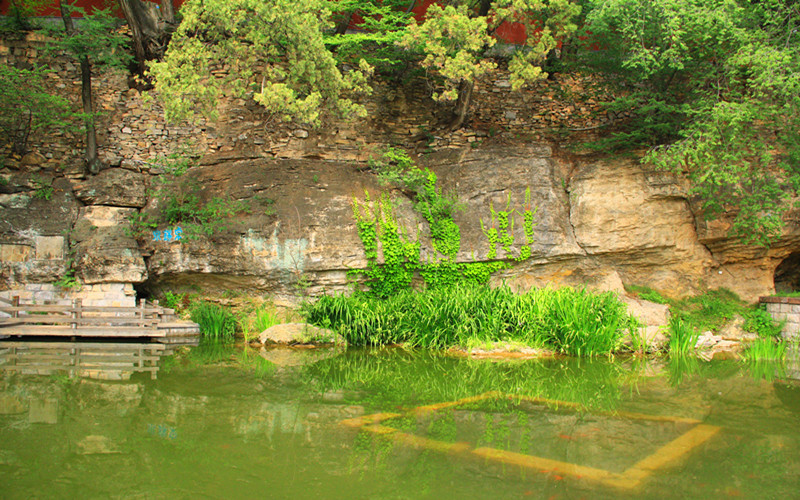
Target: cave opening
column 787, row 274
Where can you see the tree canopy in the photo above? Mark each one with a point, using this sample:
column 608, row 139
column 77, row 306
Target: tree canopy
column 714, row 89
column 273, row 50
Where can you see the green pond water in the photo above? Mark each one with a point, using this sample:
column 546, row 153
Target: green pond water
column 220, row 423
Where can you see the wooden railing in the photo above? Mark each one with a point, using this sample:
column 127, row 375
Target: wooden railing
column 78, row 320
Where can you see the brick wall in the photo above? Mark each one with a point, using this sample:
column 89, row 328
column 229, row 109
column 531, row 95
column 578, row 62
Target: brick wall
column 785, row 309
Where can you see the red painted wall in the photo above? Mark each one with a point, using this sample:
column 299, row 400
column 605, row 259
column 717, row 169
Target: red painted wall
column 87, row 5
column 506, row 32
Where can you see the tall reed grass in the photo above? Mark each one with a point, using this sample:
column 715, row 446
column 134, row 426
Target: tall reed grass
column 682, row 337
column 216, row 322
column 570, row 321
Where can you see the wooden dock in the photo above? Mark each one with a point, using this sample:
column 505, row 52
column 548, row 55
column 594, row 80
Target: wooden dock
column 148, row 320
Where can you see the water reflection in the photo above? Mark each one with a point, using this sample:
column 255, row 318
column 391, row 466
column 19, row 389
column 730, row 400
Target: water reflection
column 98, row 360
column 213, row 425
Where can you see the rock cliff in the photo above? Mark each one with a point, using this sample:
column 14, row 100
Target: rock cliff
column 602, row 221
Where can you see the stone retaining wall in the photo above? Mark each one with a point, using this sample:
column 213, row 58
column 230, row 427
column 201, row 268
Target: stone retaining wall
column 99, row 295
column 133, row 133
column 785, row 309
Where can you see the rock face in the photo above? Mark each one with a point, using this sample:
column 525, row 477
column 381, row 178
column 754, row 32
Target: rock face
column 600, row 223
column 115, row 187
column 104, row 250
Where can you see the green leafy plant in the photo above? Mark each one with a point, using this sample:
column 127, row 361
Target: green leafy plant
column 566, row 320
column 27, row 106
column 176, row 301
column 760, row 322
column 765, row 349
column 44, row 188
column 181, row 202
column 378, row 229
column 68, row 280
column 682, row 337
column 216, row 322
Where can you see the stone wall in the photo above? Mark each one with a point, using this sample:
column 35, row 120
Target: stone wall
column 133, row 133
column 100, row 295
column 785, row 309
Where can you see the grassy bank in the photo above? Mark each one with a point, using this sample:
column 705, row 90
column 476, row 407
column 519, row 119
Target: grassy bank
column 712, row 311
column 569, row 321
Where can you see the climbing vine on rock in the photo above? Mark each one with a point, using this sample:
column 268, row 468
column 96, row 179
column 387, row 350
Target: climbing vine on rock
column 400, row 255
column 401, row 260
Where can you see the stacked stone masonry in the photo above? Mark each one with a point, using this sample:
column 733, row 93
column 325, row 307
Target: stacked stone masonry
column 100, row 295
column 786, row 310
column 133, row 133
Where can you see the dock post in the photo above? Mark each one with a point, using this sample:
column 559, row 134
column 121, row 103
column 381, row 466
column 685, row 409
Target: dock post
column 142, row 307
column 75, row 313
column 15, row 304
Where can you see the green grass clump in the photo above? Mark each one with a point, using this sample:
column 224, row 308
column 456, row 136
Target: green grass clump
column 215, row 322
column 567, row 320
column 646, row 293
column 765, row 349
column 258, row 317
column 682, row 337
column 710, row 310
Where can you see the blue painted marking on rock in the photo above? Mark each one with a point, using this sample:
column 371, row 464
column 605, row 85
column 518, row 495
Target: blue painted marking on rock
column 174, row 234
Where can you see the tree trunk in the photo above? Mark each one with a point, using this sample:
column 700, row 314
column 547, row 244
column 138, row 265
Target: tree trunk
column 462, row 105
column 92, row 161
column 168, row 11
column 344, row 22
column 149, row 34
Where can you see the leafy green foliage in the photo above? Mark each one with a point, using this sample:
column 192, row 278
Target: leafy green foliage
column 710, row 310
column 43, row 188
column 378, row 227
column 715, row 85
column 216, row 322
column 376, row 41
column 96, row 39
column 20, row 15
column 27, row 107
column 400, row 255
column 452, row 41
column 546, row 23
column 570, row 321
column 760, row 322
column 68, row 281
column 176, row 301
column 273, row 51
column 682, row 337
column 181, row 202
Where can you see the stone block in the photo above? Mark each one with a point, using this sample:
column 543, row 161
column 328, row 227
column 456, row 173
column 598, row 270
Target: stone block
column 15, row 253
column 50, row 247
